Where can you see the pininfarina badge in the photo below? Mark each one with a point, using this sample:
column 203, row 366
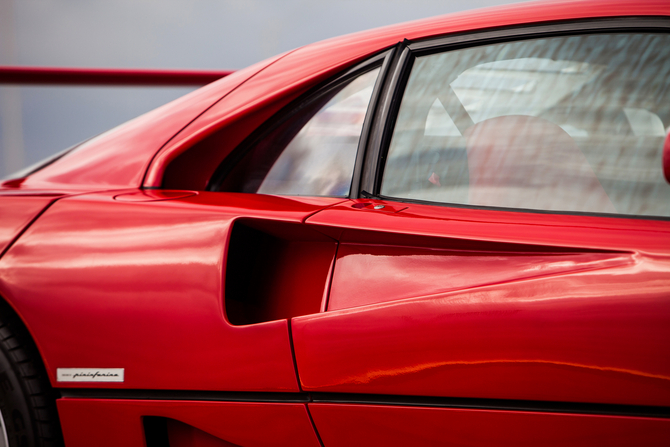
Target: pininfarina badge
column 89, row 374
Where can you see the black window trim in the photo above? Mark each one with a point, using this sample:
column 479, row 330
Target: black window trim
column 382, row 127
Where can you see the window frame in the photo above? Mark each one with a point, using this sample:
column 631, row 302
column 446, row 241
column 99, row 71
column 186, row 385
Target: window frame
column 388, row 104
column 381, row 60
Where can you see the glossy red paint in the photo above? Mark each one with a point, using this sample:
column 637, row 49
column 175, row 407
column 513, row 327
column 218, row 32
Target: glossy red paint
column 139, row 285
column 16, row 213
column 113, row 423
column 600, row 233
column 107, row 76
column 362, row 271
column 565, row 335
column 153, row 195
column 358, row 425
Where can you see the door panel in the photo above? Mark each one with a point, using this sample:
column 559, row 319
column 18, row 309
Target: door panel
column 139, row 285
column 589, row 328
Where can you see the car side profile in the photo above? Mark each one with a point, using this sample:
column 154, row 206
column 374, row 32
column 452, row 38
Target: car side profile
column 453, row 231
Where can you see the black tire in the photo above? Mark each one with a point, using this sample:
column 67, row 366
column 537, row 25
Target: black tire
column 27, row 401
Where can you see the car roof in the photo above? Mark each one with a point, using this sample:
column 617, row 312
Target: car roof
column 123, row 157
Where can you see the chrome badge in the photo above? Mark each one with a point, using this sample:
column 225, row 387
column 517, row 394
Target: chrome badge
column 89, row 374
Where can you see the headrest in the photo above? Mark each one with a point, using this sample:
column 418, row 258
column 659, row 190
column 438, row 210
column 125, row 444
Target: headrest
column 520, row 161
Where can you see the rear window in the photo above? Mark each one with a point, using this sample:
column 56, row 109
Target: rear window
column 313, row 151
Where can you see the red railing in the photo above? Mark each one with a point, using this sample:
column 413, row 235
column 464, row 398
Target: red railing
column 107, row 76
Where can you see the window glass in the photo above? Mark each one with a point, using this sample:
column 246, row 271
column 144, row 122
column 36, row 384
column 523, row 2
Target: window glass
column 564, row 124
column 313, row 152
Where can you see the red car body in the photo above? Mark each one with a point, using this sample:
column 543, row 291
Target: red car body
column 405, row 324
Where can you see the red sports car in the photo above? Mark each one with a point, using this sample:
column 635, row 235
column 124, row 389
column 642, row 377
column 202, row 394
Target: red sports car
column 453, row 231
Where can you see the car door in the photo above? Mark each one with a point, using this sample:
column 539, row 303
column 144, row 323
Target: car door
column 502, row 278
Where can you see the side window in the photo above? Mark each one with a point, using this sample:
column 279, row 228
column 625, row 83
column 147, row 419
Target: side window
column 313, row 151
column 573, row 124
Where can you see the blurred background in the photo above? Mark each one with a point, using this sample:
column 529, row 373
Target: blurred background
column 38, row 121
